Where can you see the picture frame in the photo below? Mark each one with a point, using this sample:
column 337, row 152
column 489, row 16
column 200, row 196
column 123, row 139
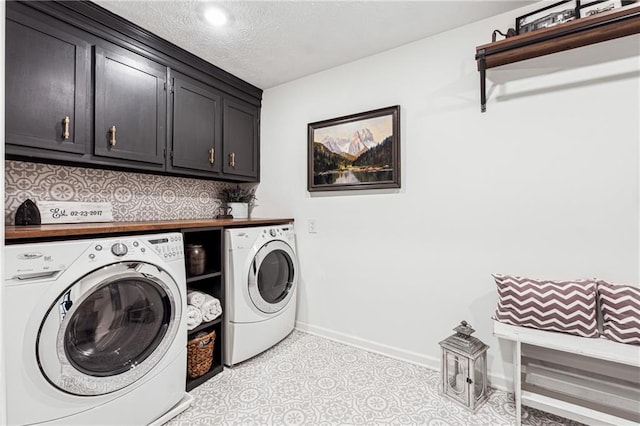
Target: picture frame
column 354, row 152
column 597, row 7
column 557, row 13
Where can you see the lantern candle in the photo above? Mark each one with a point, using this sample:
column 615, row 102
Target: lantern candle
column 464, row 367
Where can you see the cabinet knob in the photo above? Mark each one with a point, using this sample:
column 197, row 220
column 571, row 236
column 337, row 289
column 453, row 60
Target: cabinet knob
column 112, row 138
column 232, row 159
column 212, row 158
column 65, row 132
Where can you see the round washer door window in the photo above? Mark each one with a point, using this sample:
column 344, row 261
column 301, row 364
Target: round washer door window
column 117, row 327
column 272, row 277
column 109, row 329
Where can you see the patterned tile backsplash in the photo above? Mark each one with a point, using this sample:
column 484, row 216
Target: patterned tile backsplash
column 134, row 196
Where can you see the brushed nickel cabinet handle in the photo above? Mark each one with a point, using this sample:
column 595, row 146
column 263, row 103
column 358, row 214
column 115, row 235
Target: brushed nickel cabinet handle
column 65, row 133
column 232, row 159
column 112, row 139
column 212, row 157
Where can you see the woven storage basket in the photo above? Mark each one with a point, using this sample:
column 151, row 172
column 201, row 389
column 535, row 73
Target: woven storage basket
column 200, row 354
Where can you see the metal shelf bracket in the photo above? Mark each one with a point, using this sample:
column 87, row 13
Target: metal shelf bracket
column 482, row 67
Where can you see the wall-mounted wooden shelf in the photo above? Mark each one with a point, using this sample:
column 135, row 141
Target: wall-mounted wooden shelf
column 570, row 35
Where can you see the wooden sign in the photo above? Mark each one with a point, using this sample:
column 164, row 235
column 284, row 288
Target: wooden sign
column 74, row 212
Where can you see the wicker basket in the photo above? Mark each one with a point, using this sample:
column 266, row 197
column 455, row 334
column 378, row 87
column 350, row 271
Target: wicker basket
column 200, row 354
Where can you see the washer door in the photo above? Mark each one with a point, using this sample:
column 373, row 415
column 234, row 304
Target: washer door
column 272, row 276
column 109, row 329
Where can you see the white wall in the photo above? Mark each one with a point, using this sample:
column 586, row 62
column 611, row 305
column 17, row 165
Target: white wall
column 544, row 184
column 3, row 392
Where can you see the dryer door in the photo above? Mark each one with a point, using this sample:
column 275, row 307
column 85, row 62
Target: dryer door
column 109, row 329
column 272, row 277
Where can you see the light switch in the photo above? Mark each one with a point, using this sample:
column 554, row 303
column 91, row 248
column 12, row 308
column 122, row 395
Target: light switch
column 312, row 226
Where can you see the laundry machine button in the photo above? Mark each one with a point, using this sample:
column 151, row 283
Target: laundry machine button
column 119, row 249
column 98, row 247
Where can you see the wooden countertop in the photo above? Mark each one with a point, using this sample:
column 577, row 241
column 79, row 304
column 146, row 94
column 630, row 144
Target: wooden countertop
column 13, row 234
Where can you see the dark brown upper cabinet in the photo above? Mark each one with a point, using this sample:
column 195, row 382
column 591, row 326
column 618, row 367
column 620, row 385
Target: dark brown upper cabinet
column 240, row 140
column 86, row 87
column 47, row 87
column 196, row 127
column 130, row 106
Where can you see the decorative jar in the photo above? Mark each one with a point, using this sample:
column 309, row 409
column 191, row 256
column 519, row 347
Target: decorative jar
column 196, row 258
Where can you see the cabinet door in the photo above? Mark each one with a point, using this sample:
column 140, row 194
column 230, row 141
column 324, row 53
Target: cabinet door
column 130, row 106
column 240, row 139
column 47, row 78
column 196, row 133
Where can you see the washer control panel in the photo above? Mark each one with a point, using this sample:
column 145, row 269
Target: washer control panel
column 168, row 246
column 48, row 260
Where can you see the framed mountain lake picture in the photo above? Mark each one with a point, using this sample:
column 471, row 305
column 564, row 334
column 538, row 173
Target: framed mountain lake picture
column 359, row 151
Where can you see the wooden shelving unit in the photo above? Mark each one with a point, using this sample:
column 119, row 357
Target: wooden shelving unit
column 210, row 282
column 605, row 26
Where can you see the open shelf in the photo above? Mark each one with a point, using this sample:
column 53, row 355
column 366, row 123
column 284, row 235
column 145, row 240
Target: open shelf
column 204, row 276
column 194, row 383
column 604, row 26
column 210, row 282
column 206, row 325
column 571, row 410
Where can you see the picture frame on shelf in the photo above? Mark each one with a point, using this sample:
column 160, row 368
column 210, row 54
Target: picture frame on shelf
column 549, row 16
column 596, row 7
column 358, row 151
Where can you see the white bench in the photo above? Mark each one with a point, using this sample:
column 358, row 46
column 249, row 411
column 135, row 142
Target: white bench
column 593, row 381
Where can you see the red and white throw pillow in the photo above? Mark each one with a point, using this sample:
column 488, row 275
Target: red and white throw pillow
column 620, row 306
column 565, row 306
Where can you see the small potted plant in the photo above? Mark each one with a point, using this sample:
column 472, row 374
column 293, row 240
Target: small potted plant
column 239, row 199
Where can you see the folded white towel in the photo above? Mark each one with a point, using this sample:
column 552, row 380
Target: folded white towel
column 195, row 298
column 211, row 308
column 194, row 317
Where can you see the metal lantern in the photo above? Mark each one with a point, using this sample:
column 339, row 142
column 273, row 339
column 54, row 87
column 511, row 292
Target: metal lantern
column 464, row 367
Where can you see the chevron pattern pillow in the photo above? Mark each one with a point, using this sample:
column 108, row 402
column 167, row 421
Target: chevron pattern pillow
column 565, row 306
column 620, row 306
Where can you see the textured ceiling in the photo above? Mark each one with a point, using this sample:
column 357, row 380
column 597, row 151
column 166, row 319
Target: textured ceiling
column 267, row 43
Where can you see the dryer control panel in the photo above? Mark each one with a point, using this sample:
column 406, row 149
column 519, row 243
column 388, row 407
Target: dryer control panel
column 284, row 233
column 256, row 237
column 278, row 232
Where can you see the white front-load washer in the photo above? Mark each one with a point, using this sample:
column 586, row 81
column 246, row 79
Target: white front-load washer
column 261, row 276
column 94, row 330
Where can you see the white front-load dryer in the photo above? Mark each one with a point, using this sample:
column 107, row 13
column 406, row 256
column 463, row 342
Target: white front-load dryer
column 94, row 330
column 261, row 280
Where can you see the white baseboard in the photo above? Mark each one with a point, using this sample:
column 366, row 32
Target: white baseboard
column 496, row 381
column 371, row 346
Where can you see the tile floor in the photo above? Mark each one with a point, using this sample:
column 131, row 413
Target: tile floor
column 309, row 380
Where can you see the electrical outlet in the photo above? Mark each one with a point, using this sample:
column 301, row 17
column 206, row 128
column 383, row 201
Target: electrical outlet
column 312, row 226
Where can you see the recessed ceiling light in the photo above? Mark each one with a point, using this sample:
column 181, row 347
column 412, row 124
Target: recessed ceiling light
column 215, row 16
